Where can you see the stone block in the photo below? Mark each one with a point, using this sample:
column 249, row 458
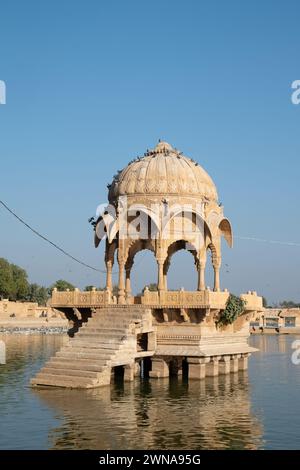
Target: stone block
column 224, row 365
column 243, row 362
column 234, row 363
column 197, row 367
column 160, row 368
column 212, row 367
column 129, row 371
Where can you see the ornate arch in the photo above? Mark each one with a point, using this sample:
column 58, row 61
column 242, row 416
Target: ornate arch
column 200, row 222
column 173, row 248
column 226, row 231
column 151, row 214
column 135, row 247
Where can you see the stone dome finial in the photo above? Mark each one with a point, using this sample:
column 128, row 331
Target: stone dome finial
column 162, row 146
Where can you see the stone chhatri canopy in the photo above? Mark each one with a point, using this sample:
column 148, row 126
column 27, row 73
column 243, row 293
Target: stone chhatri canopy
column 163, row 202
column 170, row 191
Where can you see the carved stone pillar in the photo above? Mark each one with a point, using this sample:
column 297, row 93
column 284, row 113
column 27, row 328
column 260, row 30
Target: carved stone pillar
column 160, row 283
column 128, row 285
column 234, row 363
column 201, row 276
column 121, row 294
column 224, row 365
column 216, row 266
column 243, row 362
column 212, row 368
column 166, row 269
column 165, row 281
column 109, row 275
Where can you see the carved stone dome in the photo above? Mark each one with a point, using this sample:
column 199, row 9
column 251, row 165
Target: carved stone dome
column 163, row 171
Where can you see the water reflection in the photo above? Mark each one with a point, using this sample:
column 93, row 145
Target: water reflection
column 259, row 411
column 162, row 414
column 24, row 422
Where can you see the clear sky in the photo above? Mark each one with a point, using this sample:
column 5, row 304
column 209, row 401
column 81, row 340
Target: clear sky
column 92, row 84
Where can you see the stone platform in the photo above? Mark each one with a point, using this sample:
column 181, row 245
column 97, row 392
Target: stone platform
column 175, row 339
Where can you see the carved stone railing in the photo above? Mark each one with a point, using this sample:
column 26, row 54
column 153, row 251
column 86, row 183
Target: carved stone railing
column 150, row 297
column 77, row 298
column 174, row 298
column 200, row 299
column 217, row 300
column 205, row 299
column 253, row 301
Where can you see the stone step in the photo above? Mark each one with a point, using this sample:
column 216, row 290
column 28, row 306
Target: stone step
column 97, row 323
column 117, row 316
column 114, row 327
column 83, row 361
column 92, row 346
column 66, row 381
column 124, row 310
column 103, row 329
column 101, row 338
column 62, row 363
column 108, row 333
column 84, row 355
column 76, row 372
column 86, row 342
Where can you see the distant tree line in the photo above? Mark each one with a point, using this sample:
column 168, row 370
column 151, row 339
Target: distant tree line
column 281, row 304
column 288, row 304
column 14, row 285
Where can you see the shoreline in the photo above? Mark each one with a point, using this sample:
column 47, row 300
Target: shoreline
column 27, row 326
column 32, row 331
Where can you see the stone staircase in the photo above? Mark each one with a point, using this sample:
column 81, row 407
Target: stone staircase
column 106, row 340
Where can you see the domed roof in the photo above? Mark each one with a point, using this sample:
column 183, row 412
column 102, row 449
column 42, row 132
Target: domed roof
column 163, row 170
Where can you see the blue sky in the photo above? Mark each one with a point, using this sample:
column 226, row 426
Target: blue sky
column 90, row 85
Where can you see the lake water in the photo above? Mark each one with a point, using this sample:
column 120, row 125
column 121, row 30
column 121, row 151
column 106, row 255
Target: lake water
column 255, row 410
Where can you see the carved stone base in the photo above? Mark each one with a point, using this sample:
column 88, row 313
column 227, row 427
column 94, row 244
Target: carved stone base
column 196, row 368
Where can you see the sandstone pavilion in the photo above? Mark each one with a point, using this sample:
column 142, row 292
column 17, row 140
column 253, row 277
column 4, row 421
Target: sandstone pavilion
column 162, row 201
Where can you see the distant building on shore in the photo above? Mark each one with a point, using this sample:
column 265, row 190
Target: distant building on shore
column 276, row 320
column 22, row 316
column 9, row 308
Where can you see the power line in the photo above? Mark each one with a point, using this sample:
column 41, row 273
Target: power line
column 55, row 245
column 276, row 242
column 49, row 241
column 104, row 272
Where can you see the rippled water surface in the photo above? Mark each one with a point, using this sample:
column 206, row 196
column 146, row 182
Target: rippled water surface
column 258, row 409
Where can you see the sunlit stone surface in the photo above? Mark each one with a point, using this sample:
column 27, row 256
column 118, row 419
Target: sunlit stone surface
column 162, row 202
